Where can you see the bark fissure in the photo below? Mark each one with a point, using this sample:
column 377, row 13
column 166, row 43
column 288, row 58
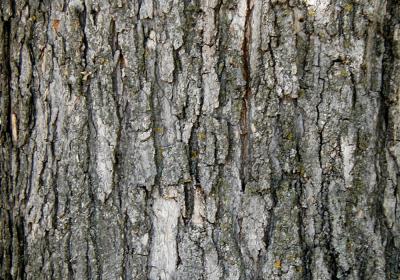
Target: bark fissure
column 245, row 113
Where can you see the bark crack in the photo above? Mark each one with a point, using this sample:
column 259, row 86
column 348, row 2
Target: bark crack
column 245, row 112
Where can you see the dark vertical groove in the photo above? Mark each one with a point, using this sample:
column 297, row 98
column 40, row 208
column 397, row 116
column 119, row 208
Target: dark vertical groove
column 112, row 38
column 158, row 156
column 7, row 84
column 189, row 201
column 192, row 155
column 387, row 136
column 125, row 248
column 5, row 128
column 68, row 251
column 245, row 111
column 157, row 124
column 88, row 271
column 21, row 249
column 82, row 22
column 191, row 11
column 193, row 150
column 320, row 129
column 354, row 91
column 340, row 22
column 303, row 49
column 269, row 229
column 7, row 254
column 148, row 213
column 9, row 251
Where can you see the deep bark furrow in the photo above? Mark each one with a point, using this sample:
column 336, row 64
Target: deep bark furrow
column 245, row 111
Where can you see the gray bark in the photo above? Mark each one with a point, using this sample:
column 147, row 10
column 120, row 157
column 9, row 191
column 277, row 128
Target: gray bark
column 200, row 139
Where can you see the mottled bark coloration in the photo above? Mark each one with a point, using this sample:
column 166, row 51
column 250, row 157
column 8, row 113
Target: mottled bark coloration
column 200, row 139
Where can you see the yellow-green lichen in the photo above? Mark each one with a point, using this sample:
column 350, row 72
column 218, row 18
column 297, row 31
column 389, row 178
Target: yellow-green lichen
column 201, row 136
column 348, row 8
column 159, row 130
column 194, row 154
column 290, row 136
column 344, row 73
column 278, row 264
column 312, row 12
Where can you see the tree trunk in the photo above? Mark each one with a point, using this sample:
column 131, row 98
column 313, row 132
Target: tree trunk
column 200, row 139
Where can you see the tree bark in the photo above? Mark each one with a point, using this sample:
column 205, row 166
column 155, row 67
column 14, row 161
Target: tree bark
column 200, row 139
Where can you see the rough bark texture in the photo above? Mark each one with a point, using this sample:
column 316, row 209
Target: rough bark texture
column 200, row 139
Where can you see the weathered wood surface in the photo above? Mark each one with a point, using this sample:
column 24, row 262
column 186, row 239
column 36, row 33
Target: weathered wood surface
column 200, row 139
